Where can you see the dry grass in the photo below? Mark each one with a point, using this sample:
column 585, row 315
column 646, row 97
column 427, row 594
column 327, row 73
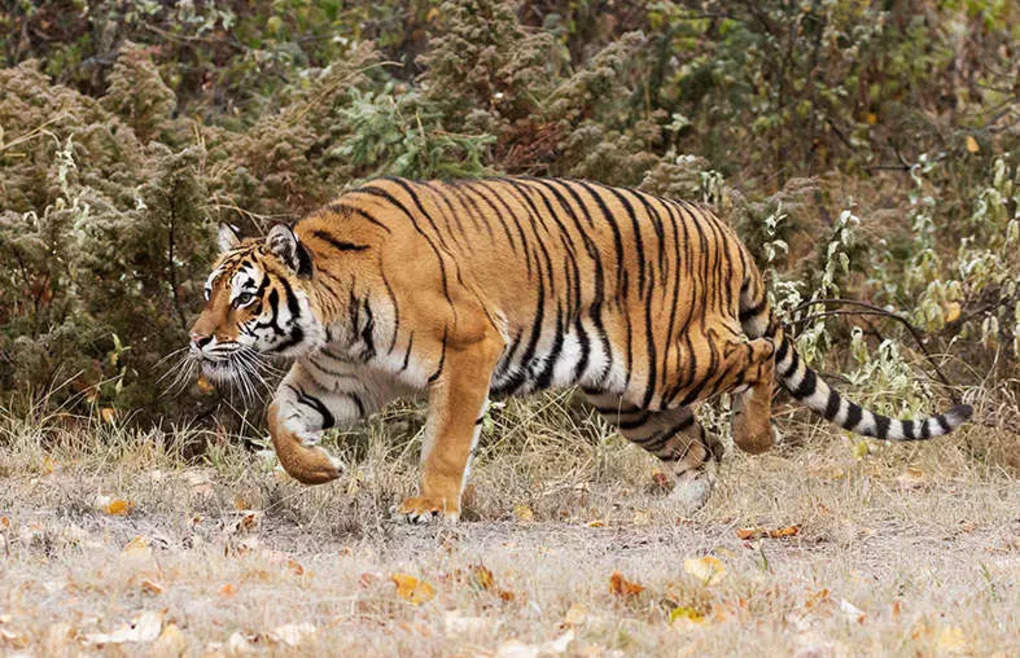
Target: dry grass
column 907, row 550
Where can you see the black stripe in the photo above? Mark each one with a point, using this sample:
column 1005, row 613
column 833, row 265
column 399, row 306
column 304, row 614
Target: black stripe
column 407, row 354
column 634, row 423
column 926, row 428
column 442, row 360
column 783, row 348
column 882, row 426
column 832, row 406
column 908, row 428
column 853, row 416
column 792, row 368
column 339, row 245
column 807, row 385
column 946, row 427
column 751, row 312
column 316, row 404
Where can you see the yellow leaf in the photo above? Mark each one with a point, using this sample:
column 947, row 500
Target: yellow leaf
column 118, row 507
column 108, row 414
column 597, row 523
column 411, row 589
column 788, row 531
column 228, row 590
column 683, row 616
column 523, row 513
column 952, row 312
column 622, row 587
column 708, row 570
column 151, row 587
column 481, row 577
column 871, row 118
column 48, row 465
column 140, row 546
column 972, row 144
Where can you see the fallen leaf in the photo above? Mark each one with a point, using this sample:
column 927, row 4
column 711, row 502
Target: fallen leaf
column 295, row 567
column 108, row 415
column 171, row 642
column 118, row 507
column 750, row 533
column 523, row 513
column 13, row 639
column 952, row 312
column 683, row 618
column 481, row 577
column 292, row 634
column 144, row 627
column 228, row 590
column 366, row 579
column 972, row 144
column 622, row 587
column 871, row 118
column 788, row 531
column 5, row 522
column 411, row 589
column 912, row 478
column 48, row 465
column 709, row 570
column 597, row 523
column 151, row 586
column 139, row 548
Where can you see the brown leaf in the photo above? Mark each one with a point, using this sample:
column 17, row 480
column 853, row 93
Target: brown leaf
column 620, row 586
column 295, row 567
column 750, row 533
column 788, row 531
column 972, row 144
column 228, row 590
column 151, row 587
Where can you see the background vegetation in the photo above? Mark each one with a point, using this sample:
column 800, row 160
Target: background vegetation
column 865, row 150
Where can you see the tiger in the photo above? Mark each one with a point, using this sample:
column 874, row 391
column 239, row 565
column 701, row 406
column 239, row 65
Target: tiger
column 468, row 291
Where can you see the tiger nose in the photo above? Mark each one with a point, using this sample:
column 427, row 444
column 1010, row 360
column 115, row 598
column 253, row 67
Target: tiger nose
column 200, row 340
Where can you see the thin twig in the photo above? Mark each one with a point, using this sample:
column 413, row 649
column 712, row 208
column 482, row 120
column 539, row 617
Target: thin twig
column 875, row 310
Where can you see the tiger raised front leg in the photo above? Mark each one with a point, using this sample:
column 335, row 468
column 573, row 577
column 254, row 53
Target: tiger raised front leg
column 304, row 407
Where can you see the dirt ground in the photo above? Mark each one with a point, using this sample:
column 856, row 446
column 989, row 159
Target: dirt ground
column 112, row 543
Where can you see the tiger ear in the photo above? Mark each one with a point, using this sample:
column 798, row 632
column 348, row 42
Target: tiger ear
column 283, row 243
column 228, row 237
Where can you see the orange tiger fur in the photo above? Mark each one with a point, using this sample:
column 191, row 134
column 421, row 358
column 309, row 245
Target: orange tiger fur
column 472, row 289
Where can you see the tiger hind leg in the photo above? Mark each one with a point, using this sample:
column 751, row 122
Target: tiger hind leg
column 687, row 452
column 752, row 406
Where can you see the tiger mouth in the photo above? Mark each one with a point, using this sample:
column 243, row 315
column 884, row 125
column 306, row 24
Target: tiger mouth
column 219, row 370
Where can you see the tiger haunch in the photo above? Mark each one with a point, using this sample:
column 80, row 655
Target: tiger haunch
column 468, row 290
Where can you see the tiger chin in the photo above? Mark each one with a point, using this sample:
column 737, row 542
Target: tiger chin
column 475, row 290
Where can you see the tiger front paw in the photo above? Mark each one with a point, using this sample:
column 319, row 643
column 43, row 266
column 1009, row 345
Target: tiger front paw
column 426, row 509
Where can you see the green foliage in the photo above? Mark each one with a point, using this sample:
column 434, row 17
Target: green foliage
column 863, row 149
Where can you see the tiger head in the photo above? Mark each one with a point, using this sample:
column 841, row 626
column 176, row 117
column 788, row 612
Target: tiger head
column 258, row 302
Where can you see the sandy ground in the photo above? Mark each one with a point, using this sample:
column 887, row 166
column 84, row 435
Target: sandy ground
column 111, row 543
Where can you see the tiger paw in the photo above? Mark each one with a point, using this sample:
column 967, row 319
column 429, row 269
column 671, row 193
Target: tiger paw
column 692, row 490
column 425, row 509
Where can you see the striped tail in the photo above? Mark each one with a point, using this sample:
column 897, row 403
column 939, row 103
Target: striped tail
column 805, row 385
